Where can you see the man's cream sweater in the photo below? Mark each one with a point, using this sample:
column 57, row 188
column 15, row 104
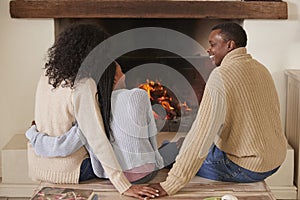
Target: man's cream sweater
column 239, row 112
column 55, row 112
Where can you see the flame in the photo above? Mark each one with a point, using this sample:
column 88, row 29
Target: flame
column 148, row 88
column 159, row 94
column 166, row 105
column 185, row 106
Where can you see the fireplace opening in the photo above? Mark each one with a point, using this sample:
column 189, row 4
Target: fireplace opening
column 173, row 107
column 140, row 65
column 159, row 94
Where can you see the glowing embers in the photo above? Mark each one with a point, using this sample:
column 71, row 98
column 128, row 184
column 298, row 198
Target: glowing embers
column 161, row 95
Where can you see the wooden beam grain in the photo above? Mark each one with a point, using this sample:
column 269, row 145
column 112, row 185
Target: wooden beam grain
column 148, row 9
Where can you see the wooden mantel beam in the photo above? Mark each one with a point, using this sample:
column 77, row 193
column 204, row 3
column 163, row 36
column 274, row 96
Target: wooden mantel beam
column 148, row 9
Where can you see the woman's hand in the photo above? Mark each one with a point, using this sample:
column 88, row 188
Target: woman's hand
column 141, row 192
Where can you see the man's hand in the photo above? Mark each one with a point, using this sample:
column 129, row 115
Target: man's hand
column 157, row 186
column 142, row 192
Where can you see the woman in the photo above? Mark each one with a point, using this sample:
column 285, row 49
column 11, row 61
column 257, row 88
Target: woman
column 132, row 133
column 60, row 104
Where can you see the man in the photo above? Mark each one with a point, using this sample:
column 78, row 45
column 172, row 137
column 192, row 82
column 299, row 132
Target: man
column 237, row 134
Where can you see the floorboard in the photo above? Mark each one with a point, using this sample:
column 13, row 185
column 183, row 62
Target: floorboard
column 198, row 188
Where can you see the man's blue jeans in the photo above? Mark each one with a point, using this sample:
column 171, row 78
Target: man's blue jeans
column 218, row 167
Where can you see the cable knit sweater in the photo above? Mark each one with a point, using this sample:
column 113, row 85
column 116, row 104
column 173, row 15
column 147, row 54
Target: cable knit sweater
column 240, row 113
column 55, row 112
column 133, row 137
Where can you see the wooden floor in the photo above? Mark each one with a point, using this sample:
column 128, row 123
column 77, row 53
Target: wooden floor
column 198, row 188
column 17, row 198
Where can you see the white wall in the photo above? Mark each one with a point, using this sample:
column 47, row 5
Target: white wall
column 23, row 44
column 276, row 44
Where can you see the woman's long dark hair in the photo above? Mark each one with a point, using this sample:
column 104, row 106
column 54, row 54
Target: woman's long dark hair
column 66, row 56
column 105, row 88
column 71, row 48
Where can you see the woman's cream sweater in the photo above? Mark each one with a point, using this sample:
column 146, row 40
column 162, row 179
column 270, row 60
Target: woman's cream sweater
column 56, row 111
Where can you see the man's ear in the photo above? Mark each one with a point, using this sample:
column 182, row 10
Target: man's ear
column 231, row 45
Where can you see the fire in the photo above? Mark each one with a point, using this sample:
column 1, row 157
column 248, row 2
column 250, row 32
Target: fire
column 159, row 94
column 185, row 106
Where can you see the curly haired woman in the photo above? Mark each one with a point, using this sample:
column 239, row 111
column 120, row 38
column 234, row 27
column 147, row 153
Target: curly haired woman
column 60, row 103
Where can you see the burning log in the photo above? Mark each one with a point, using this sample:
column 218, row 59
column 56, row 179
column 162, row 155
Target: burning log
column 160, row 94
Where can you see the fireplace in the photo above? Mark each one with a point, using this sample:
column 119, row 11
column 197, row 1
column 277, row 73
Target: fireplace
column 193, row 18
column 172, row 103
column 181, row 78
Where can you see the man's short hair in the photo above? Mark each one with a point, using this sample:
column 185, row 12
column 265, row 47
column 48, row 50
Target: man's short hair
column 233, row 31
